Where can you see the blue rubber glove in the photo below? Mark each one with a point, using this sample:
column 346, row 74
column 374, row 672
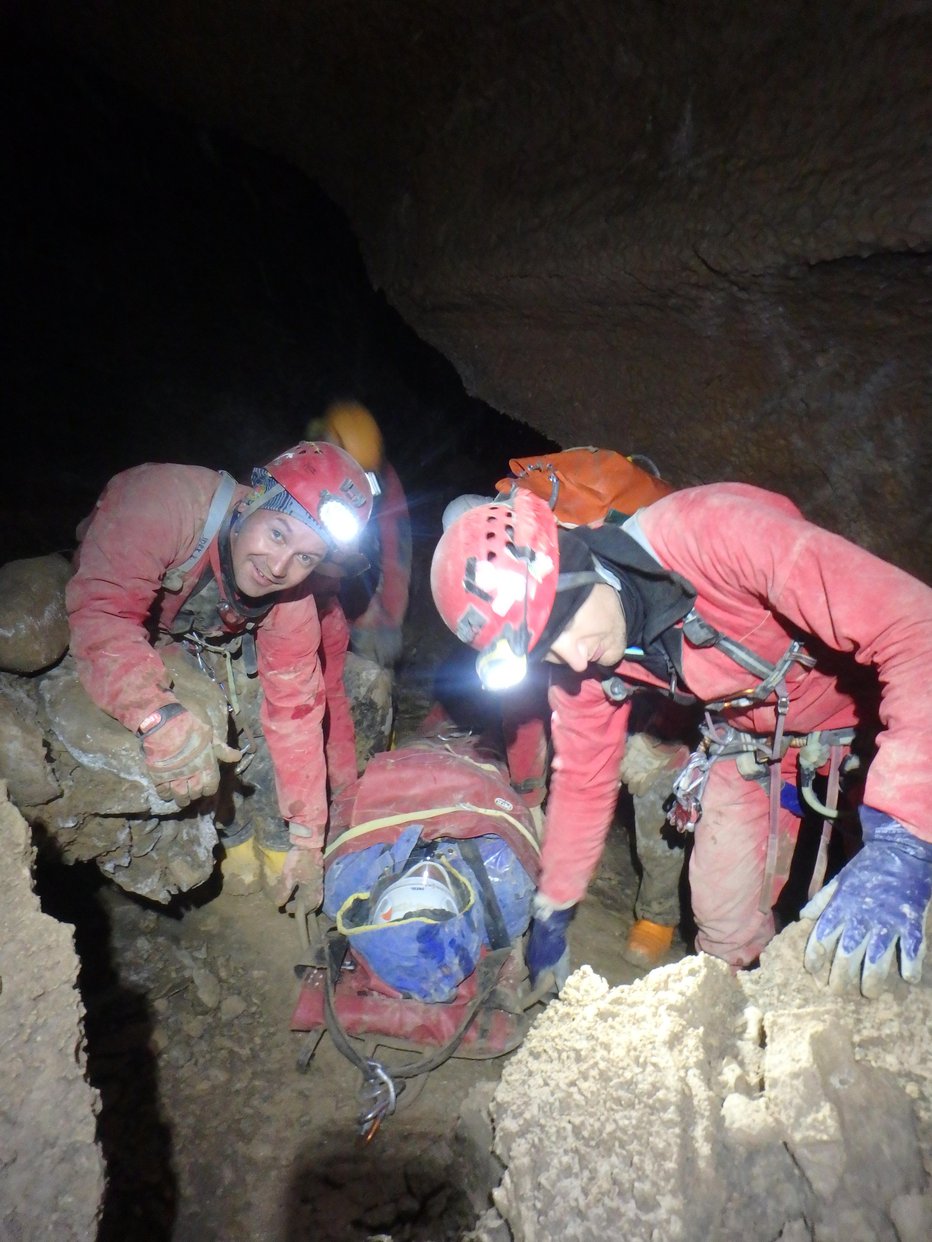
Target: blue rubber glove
column 877, row 900
column 547, row 948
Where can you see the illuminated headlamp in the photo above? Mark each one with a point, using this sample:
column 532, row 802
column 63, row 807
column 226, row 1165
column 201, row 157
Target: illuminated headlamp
column 500, row 667
column 338, row 519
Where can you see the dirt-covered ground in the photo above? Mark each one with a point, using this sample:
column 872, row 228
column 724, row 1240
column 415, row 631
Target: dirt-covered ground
column 208, row 1129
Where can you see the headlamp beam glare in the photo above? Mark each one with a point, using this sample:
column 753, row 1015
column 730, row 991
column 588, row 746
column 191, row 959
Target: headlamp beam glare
column 339, row 520
column 500, row 667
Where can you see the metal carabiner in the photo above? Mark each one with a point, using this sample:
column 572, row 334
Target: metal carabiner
column 683, row 807
column 377, row 1096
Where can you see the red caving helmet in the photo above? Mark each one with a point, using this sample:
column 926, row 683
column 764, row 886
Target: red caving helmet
column 320, row 485
column 494, row 579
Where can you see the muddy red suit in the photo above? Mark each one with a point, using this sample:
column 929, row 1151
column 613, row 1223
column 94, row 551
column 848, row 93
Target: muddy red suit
column 376, row 610
column 148, row 520
column 763, row 576
column 761, row 572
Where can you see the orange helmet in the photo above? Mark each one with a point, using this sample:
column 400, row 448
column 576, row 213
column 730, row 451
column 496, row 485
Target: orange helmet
column 494, row 578
column 320, row 485
column 352, row 427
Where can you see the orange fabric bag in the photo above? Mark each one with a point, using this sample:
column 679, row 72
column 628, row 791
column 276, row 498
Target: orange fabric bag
column 582, row 484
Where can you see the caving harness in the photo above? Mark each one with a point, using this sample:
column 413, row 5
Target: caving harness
column 200, row 625
column 759, row 757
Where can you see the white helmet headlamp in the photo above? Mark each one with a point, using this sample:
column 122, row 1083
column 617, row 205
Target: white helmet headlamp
column 338, row 519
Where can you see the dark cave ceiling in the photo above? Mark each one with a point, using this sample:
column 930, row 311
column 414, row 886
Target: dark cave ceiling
column 701, row 231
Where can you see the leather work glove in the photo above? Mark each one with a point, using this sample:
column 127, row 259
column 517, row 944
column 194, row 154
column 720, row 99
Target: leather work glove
column 182, row 754
column 546, row 947
column 302, row 869
column 878, row 900
column 648, row 760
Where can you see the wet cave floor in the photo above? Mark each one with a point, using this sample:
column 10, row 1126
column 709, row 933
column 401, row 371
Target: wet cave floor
column 208, row 1128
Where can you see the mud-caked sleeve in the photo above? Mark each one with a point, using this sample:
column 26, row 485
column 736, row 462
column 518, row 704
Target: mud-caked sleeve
column 294, row 701
column 146, row 520
column 588, row 734
column 340, row 746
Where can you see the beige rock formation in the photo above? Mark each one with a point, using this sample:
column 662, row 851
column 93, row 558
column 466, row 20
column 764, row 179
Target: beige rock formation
column 698, row 1104
column 51, row 1169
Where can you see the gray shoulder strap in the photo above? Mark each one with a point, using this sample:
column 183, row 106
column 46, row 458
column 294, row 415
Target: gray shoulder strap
column 633, row 527
column 215, row 514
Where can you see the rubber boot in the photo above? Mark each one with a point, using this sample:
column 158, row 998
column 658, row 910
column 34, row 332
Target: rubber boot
column 648, row 944
column 240, row 868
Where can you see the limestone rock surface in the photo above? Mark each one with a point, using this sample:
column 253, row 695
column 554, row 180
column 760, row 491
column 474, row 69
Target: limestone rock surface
column 33, row 623
column 51, row 1169
column 696, row 1104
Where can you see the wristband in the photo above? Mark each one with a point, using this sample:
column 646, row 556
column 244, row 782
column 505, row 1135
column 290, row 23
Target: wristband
column 160, row 716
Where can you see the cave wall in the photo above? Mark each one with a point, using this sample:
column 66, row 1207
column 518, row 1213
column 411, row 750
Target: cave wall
column 698, row 231
column 51, row 1166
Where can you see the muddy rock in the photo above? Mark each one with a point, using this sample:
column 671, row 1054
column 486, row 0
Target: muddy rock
column 51, row 1170
column 101, row 744
column 33, row 622
column 108, row 810
column 369, row 689
column 24, row 764
column 156, row 858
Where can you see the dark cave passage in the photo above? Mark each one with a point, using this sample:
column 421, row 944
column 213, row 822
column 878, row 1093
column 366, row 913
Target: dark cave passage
column 177, row 295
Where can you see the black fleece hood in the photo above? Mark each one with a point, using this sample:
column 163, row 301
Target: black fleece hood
column 654, row 599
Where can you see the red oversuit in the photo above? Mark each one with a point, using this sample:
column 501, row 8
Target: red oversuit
column 147, row 521
column 763, row 575
column 377, row 602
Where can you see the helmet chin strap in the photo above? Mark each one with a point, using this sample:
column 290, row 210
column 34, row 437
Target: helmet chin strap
column 584, row 577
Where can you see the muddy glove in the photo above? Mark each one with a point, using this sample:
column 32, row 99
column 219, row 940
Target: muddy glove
column 379, row 643
column 182, row 754
column 546, row 947
column 303, row 868
column 877, row 900
column 647, row 760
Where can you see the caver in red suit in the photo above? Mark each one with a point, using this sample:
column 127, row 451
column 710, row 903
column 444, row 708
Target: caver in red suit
column 753, row 569
column 376, row 602
column 150, row 571
column 365, row 613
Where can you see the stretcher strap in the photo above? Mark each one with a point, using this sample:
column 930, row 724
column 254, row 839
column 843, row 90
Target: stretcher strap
column 413, row 817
